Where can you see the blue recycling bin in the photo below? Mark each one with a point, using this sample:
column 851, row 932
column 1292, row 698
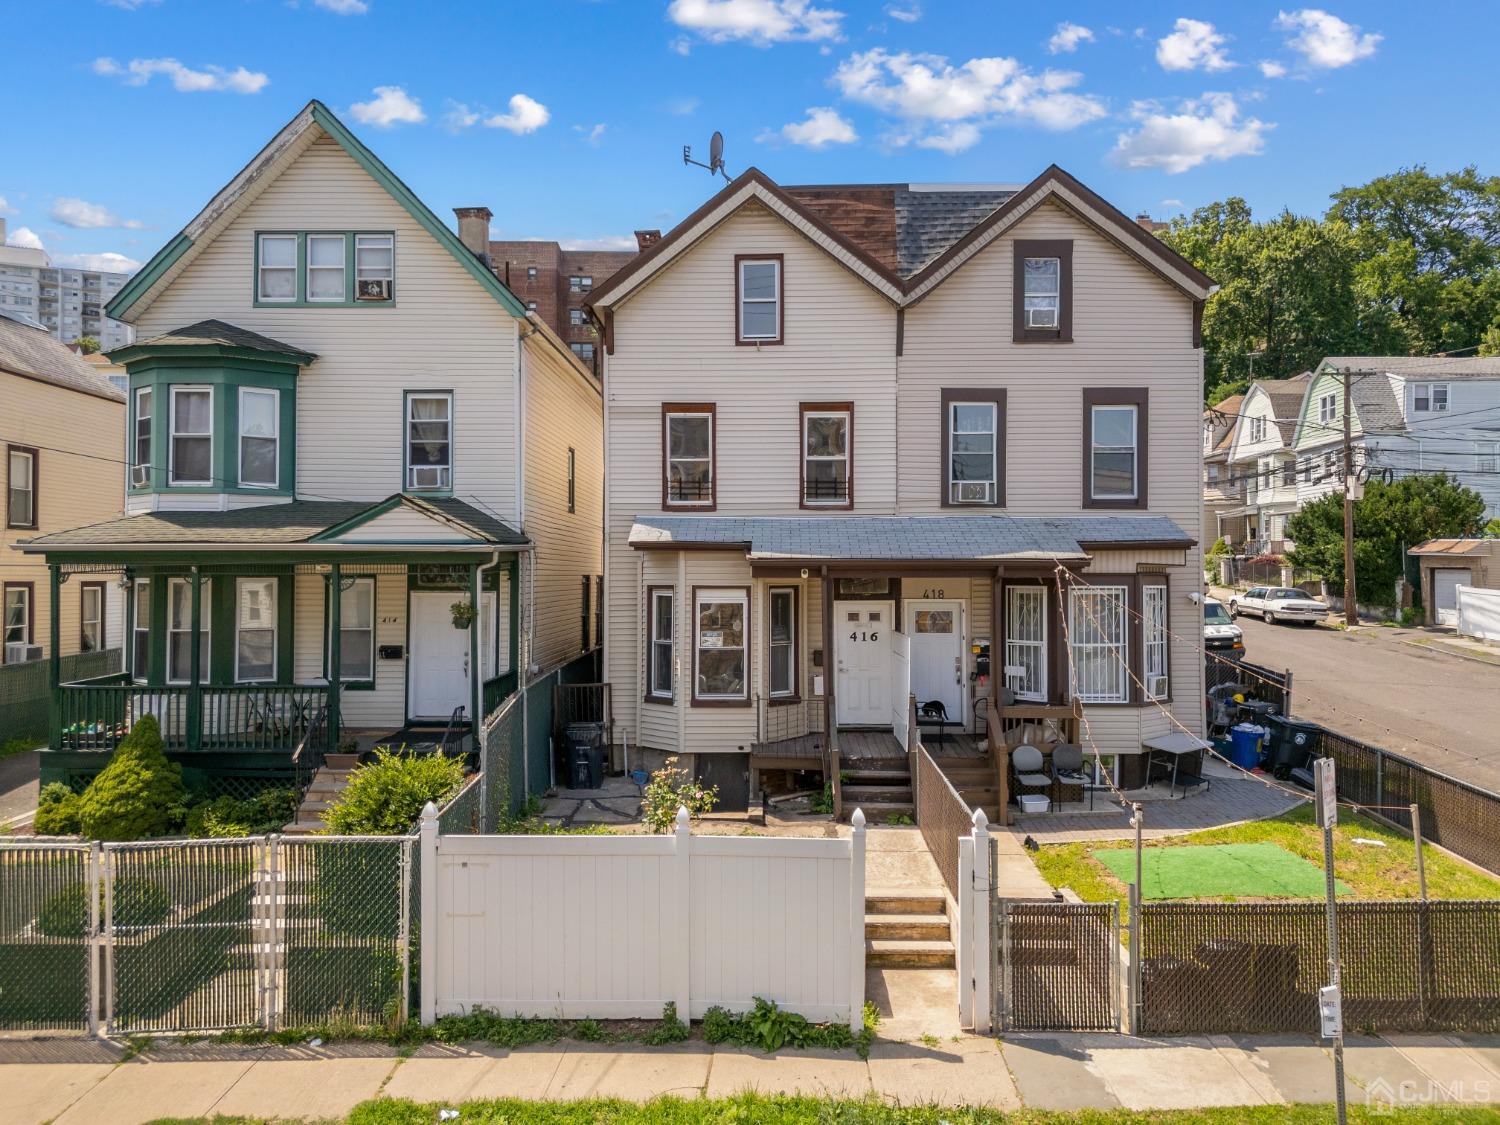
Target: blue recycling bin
column 1244, row 745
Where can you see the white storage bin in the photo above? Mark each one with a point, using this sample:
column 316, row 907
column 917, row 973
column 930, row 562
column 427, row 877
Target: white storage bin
column 1034, row 802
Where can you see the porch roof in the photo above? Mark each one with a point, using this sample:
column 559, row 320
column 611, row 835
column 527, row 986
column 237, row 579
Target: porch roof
column 299, row 524
column 948, row 538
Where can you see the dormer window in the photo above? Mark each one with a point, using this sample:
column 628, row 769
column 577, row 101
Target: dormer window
column 429, row 442
column 759, row 312
column 1042, row 301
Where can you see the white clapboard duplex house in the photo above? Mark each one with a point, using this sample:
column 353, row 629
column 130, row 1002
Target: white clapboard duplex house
column 364, row 488
column 886, row 439
column 1263, row 466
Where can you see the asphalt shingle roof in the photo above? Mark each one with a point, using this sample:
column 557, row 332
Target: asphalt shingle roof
column 1417, row 366
column 1286, row 397
column 929, row 222
column 32, row 352
column 221, row 334
column 906, row 538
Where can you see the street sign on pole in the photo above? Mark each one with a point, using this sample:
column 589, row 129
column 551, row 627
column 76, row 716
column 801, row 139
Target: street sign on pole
column 1326, row 789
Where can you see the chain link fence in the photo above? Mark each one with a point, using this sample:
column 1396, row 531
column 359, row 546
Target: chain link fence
column 25, row 692
column 942, row 817
column 48, row 916
column 1058, row 967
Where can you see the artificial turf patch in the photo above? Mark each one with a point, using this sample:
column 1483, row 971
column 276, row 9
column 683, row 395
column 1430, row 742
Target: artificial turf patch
column 1218, row 871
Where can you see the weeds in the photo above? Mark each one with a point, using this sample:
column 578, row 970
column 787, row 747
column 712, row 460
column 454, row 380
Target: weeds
column 770, row 1028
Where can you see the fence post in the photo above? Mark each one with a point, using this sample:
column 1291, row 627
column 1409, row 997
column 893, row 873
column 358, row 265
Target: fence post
column 1133, row 979
column 1286, row 693
column 429, row 913
column 96, row 937
column 857, row 922
column 1379, row 777
column 682, row 849
column 962, row 954
column 271, row 886
column 403, row 941
column 979, row 941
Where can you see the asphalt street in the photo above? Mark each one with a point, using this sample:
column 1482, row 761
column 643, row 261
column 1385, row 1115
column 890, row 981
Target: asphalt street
column 1440, row 709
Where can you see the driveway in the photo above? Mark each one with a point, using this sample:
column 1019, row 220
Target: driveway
column 1371, row 684
column 18, row 788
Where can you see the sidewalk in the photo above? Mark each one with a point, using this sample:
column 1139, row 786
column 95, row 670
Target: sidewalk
column 81, row 1082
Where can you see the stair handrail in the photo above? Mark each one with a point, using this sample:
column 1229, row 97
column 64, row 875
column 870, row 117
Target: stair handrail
column 307, row 758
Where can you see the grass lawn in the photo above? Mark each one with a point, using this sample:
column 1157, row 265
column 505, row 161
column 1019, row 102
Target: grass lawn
column 754, row 1109
column 1369, row 872
column 1263, row 870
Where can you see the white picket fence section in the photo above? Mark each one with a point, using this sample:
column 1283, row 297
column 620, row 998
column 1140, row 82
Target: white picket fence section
column 1479, row 613
column 973, row 936
column 614, row 927
column 900, row 685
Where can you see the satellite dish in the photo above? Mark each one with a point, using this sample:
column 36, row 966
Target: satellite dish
column 715, row 155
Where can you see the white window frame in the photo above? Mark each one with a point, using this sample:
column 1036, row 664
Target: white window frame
column 408, row 479
column 26, row 593
column 141, row 653
column 708, row 418
column 260, row 276
column 143, row 418
column 275, row 437
column 354, row 584
column 774, row 301
column 1023, row 650
column 1328, row 407
column 375, row 242
column 29, row 488
column 342, row 269
column 1027, row 296
column 789, row 691
column 205, row 621
column 240, row 628
column 992, row 485
column 658, row 617
column 1108, row 605
column 702, row 598
column 1429, row 398
column 173, row 435
column 846, row 458
column 1486, row 456
column 1154, row 635
column 100, row 592
column 1133, row 449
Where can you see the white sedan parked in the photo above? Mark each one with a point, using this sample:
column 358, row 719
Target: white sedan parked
column 1278, row 603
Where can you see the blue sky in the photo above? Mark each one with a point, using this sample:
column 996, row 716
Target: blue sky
column 567, row 117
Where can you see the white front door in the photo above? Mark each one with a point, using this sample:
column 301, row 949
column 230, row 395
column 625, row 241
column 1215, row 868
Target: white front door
column 1445, row 584
column 936, row 629
column 863, row 651
column 438, row 665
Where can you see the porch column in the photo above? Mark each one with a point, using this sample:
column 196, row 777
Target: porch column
column 997, row 693
column 830, row 708
column 54, row 655
column 195, row 654
column 127, row 634
column 476, row 675
column 335, row 653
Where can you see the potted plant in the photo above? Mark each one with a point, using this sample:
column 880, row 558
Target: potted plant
column 463, row 614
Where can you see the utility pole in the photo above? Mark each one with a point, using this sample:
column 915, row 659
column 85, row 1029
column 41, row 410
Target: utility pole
column 1351, row 615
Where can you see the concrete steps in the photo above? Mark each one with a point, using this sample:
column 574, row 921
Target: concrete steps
column 326, row 786
column 907, row 931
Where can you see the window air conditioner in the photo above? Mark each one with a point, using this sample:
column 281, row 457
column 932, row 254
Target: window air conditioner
column 429, row 476
column 973, row 492
column 19, row 653
column 1041, row 318
column 374, row 290
column 140, row 476
column 1156, row 687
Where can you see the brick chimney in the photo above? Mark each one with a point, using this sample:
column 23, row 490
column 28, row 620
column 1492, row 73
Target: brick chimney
column 644, row 239
column 474, row 230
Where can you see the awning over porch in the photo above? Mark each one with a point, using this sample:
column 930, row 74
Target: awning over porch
column 928, row 539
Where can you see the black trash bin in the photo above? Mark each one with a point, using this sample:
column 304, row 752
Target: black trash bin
column 1293, row 744
column 585, row 755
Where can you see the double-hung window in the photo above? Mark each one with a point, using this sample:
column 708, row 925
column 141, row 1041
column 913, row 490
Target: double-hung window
column 660, row 662
column 783, row 642
column 180, row 630
column 1429, row 397
column 758, row 293
column 826, row 454
column 325, row 267
column 575, row 318
column 140, row 631
column 429, row 441
column 20, row 504
column 688, row 455
column 1327, row 408
column 277, row 274
column 972, row 425
column 145, row 404
column 192, row 435
column 374, row 267
column 1097, row 638
column 260, row 426
column 255, row 630
column 1486, row 456
column 1114, row 449
column 91, row 616
column 357, row 629
column 1026, row 641
column 1154, row 638
column 1043, row 292
column 721, row 653
column 18, row 616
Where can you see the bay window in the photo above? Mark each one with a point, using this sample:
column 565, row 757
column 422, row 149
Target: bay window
column 660, row 662
column 1026, row 642
column 140, row 473
column 140, row 632
column 827, row 454
column 720, row 657
column 255, row 630
column 783, row 642
column 429, row 441
column 192, row 436
column 1154, row 637
column 180, row 630
column 1097, row 640
column 260, row 426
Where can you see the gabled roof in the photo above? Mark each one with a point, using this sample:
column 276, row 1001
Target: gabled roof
column 32, row 353
column 1419, row 366
column 934, row 232
column 1372, row 404
column 313, row 121
column 1284, row 396
column 215, row 337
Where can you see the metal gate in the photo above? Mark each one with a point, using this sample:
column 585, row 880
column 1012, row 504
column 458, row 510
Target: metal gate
column 1059, row 966
column 49, row 914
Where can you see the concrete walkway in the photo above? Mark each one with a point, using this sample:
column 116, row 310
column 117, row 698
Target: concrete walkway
column 83, row 1083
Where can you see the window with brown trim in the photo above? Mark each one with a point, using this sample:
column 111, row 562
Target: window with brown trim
column 1115, row 430
column 660, row 662
column 688, row 456
column 572, row 480
column 759, row 308
column 827, row 469
column 973, row 473
column 781, row 640
column 587, row 612
column 91, row 601
column 17, row 618
column 20, row 493
column 1042, row 291
column 721, row 646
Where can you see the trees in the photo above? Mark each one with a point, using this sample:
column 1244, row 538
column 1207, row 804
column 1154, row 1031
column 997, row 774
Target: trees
column 1390, row 519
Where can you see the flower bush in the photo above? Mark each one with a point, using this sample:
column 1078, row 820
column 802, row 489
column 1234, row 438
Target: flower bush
column 670, row 788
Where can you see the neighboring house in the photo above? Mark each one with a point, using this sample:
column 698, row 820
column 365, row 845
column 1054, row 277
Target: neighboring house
column 842, row 421
column 341, row 426
column 1262, row 464
column 1221, row 493
column 62, row 429
column 1408, row 415
column 1446, row 565
column 65, row 300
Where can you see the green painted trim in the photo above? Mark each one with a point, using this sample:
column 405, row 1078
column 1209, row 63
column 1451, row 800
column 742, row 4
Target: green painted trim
column 138, row 353
column 300, row 284
column 134, row 289
column 416, row 208
column 360, row 520
column 433, row 392
column 175, row 560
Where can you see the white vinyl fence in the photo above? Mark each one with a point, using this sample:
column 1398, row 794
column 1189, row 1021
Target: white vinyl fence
column 617, row 926
column 900, row 685
column 1479, row 613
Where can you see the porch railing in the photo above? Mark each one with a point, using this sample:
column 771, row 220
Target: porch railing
column 97, row 714
column 777, row 720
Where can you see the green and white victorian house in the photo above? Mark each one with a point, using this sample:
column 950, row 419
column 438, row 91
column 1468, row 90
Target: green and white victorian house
column 364, row 490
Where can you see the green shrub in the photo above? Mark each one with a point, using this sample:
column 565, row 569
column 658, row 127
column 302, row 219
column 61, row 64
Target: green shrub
column 669, row 789
column 56, row 811
column 770, row 1028
column 385, row 797
column 228, row 817
column 137, row 902
column 138, row 795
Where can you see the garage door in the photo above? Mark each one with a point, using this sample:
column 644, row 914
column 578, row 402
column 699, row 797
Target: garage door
column 1445, row 584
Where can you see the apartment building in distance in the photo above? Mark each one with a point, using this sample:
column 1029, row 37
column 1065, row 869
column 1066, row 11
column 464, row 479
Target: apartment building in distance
column 68, row 303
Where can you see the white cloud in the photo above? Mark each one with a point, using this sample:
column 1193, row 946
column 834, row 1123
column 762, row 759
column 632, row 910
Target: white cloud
column 185, row 80
column 940, row 98
column 130, row 5
column 391, row 105
column 107, row 262
column 526, row 115
column 607, row 242
column 683, row 107
column 1270, row 68
column 592, row 134
column 1066, row 38
column 1206, row 128
column 26, row 237
column 822, row 127
column 1325, row 41
column 906, row 13
column 459, row 116
column 1171, row 203
column 1193, row 45
column 682, row 45
column 344, row 7
column 761, row 22
column 5, row 207
column 82, row 215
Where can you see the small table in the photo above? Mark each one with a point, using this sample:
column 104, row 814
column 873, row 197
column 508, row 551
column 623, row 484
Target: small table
column 1175, row 745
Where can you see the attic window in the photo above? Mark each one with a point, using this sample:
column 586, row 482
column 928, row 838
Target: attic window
column 1042, row 297
column 759, row 309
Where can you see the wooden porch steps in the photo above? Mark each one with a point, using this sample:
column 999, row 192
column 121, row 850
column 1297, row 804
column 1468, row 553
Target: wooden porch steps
column 326, row 786
column 907, row 931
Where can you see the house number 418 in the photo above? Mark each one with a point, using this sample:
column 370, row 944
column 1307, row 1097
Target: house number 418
column 933, row 593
